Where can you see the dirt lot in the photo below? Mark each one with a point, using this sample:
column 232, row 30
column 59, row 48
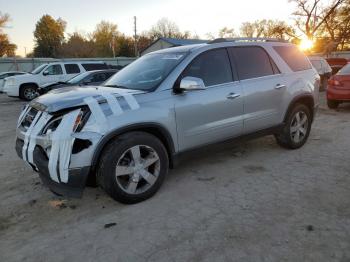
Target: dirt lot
column 248, row 202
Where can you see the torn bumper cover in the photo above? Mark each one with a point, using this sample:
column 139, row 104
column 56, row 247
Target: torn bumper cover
column 77, row 176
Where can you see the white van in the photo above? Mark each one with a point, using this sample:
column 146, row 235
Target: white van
column 25, row 86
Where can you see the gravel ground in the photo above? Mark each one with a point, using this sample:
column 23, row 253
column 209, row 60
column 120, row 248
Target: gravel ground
column 248, row 202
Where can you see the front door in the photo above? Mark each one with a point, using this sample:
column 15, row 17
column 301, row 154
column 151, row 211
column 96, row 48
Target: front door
column 52, row 74
column 213, row 114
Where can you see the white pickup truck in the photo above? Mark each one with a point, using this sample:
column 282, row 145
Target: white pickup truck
column 25, row 86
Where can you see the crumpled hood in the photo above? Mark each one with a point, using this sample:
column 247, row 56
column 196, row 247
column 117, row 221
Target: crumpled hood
column 67, row 97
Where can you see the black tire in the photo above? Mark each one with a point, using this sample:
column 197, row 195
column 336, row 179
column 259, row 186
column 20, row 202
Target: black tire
column 106, row 172
column 332, row 104
column 26, row 90
column 285, row 137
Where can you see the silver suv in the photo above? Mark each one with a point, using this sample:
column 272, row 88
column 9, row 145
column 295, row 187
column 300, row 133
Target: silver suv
column 125, row 134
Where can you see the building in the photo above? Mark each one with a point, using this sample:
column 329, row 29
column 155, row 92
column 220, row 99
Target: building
column 163, row 42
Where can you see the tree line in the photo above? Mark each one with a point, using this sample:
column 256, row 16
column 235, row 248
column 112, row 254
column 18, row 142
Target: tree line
column 105, row 41
column 328, row 24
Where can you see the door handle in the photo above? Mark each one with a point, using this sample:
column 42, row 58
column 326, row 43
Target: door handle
column 279, row 86
column 232, row 96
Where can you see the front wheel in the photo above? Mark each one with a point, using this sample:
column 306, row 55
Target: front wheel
column 297, row 128
column 133, row 167
column 28, row 92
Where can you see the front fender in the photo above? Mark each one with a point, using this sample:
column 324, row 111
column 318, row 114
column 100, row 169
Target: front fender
column 155, row 129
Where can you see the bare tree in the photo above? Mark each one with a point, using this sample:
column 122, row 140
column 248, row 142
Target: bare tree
column 310, row 15
column 337, row 27
column 267, row 28
column 166, row 28
column 227, row 32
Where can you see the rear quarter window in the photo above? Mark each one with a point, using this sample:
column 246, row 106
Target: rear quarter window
column 252, row 62
column 97, row 66
column 294, row 58
column 72, row 68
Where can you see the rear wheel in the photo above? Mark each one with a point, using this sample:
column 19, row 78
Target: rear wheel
column 133, row 167
column 332, row 104
column 28, row 92
column 297, row 128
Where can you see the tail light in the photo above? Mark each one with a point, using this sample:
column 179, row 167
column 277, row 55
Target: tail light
column 334, row 82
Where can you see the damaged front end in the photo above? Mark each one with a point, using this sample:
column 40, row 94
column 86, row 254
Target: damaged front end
column 58, row 133
column 56, row 146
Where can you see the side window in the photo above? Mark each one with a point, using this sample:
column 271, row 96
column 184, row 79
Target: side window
column 54, row 70
column 91, row 66
column 213, row 67
column 294, row 58
column 252, row 62
column 72, row 68
column 100, row 77
column 109, row 74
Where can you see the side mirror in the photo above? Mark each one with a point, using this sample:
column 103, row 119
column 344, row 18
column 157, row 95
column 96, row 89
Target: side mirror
column 190, row 83
column 45, row 73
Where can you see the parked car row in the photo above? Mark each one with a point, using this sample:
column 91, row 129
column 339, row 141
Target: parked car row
column 95, row 77
column 25, row 86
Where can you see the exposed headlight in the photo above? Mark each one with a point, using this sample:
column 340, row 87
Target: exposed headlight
column 78, row 124
column 52, row 125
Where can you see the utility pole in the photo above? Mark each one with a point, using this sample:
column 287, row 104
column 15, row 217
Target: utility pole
column 113, row 44
column 135, row 37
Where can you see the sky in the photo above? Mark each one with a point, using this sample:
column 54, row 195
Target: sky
column 198, row 17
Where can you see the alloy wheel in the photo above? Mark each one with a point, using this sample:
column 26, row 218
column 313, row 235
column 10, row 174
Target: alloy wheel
column 299, row 126
column 137, row 169
column 30, row 93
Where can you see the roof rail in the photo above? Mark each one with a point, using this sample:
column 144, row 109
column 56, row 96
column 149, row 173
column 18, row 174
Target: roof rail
column 247, row 39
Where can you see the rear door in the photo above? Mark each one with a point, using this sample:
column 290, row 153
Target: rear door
column 213, row 114
column 262, row 85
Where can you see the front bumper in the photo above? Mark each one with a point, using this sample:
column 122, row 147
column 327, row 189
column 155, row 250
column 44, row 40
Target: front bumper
column 76, row 180
column 11, row 90
column 70, row 153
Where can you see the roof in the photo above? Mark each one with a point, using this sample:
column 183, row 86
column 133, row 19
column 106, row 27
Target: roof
column 179, row 42
column 176, row 42
column 180, row 49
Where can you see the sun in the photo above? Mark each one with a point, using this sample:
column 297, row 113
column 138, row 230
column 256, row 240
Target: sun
column 306, row 44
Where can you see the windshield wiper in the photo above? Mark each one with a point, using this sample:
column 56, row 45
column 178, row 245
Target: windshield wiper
column 117, row 86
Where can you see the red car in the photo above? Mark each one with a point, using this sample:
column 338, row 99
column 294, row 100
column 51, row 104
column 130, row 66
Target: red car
column 338, row 90
column 336, row 63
